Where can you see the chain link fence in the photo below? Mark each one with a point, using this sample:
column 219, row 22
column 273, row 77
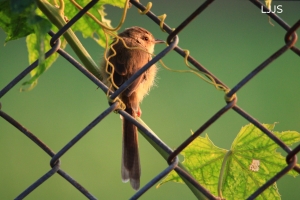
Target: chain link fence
column 172, row 40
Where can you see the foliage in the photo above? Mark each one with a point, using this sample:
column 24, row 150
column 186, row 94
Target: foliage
column 35, row 18
column 238, row 172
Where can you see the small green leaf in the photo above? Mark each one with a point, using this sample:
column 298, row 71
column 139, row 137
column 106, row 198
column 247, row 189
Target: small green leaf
column 250, row 163
column 37, row 48
column 34, row 52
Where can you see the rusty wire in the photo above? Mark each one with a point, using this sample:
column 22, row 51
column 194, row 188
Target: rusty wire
column 291, row 158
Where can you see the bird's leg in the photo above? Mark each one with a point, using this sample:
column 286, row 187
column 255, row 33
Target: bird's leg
column 139, row 112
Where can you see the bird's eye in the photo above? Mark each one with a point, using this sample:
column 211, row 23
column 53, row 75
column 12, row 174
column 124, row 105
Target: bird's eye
column 146, row 38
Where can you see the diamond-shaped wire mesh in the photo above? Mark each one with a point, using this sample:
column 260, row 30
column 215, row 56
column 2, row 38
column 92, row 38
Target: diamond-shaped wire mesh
column 290, row 40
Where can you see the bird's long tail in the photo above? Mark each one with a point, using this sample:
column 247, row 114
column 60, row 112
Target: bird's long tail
column 130, row 169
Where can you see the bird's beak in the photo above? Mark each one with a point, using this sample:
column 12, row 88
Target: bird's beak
column 159, row 41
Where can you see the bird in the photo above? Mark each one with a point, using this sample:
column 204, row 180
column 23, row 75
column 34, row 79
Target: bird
column 125, row 64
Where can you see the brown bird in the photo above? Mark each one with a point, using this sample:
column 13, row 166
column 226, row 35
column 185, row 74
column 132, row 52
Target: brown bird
column 127, row 62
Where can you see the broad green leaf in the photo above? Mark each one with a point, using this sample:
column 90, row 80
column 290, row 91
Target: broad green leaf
column 254, row 161
column 203, row 160
column 20, row 6
column 14, row 21
column 86, row 25
column 251, row 162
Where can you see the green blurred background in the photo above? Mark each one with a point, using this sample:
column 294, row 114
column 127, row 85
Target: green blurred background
column 230, row 38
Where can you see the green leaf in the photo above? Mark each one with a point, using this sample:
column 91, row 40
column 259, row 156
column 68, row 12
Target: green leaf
column 203, row 160
column 18, row 6
column 14, row 21
column 86, row 25
column 34, row 53
column 21, row 20
column 55, row 14
column 37, row 46
column 251, row 162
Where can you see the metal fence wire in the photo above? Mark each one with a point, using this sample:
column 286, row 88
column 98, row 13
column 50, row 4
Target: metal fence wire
column 172, row 40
